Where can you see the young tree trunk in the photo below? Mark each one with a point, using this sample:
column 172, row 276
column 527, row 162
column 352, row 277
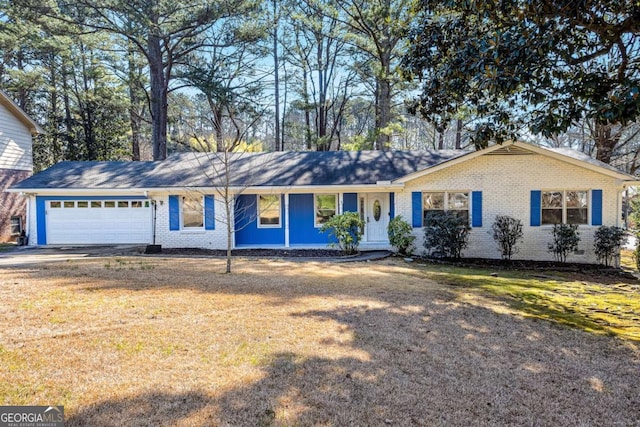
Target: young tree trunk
column 135, row 102
column 383, row 112
column 458, row 134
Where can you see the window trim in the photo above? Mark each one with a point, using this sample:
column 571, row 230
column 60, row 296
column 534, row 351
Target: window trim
column 315, row 207
column 182, row 226
column 445, row 208
column 259, row 211
column 564, row 208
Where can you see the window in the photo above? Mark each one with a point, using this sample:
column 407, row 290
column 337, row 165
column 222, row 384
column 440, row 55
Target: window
column 109, row 204
column 269, row 209
column 16, row 225
column 192, row 212
column 326, row 206
column 83, row 204
column 55, row 205
column 123, row 204
column 96, row 204
column 136, row 204
column 69, row 204
column 564, row 207
column 436, row 202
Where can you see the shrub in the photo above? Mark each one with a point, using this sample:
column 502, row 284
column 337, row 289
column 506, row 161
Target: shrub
column 636, row 256
column 565, row 239
column 446, row 235
column 506, row 232
column 347, row 228
column 400, row 237
column 607, row 243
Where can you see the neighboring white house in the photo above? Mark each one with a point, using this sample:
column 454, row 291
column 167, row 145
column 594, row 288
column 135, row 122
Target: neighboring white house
column 17, row 130
column 281, row 199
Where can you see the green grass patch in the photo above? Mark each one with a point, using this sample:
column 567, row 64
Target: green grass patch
column 607, row 307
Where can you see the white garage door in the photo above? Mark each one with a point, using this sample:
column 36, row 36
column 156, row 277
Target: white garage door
column 71, row 222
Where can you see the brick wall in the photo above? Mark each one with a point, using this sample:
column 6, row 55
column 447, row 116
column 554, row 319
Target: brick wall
column 506, row 183
column 11, row 204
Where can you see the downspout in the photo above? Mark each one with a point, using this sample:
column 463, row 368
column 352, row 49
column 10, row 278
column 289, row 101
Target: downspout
column 155, row 215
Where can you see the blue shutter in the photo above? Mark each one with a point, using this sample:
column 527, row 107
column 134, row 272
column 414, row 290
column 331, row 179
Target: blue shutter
column 350, row 202
column 476, row 206
column 416, row 209
column 596, row 207
column 174, row 213
column 536, row 207
column 209, row 213
column 392, row 205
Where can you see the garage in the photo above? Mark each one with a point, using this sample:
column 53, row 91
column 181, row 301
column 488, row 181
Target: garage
column 98, row 221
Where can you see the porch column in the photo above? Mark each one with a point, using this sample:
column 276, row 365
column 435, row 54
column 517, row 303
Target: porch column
column 286, row 220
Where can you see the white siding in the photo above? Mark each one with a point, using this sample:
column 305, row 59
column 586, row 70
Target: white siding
column 15, row 142
column 506, row 183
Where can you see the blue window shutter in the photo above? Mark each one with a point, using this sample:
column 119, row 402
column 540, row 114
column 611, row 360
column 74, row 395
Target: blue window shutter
column 476, row 206
column 209, row 213
column 174, row 213
column 350, row 202
column 536, row 207
column 416, row 209
column 392, row 205
column 596, row 207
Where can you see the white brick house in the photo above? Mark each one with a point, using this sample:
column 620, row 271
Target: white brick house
column 281, row 199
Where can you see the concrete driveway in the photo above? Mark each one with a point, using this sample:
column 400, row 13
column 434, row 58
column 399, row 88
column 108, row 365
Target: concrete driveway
column 22, row 256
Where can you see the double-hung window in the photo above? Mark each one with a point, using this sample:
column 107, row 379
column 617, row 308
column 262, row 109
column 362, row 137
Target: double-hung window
column 325, row 207
column 565, row 207
column 269, row 210
column 192, row 212
column 452, row 201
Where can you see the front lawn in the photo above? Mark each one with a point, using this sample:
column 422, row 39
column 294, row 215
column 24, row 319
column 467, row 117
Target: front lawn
column 160, row 341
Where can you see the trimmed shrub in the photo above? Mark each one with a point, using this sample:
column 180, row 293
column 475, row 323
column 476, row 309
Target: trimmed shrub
column 347, row 228
column 507, row 231
column 565, row 239
column 446, row 235
column 607, row 243
column 400, row 237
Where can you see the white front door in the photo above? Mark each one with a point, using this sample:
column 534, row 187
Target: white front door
column 377, row 217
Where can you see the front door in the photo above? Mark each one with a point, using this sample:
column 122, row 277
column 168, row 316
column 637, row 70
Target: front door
column 377, row 217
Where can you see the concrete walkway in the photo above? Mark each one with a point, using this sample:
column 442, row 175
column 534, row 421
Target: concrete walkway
column 24, row 256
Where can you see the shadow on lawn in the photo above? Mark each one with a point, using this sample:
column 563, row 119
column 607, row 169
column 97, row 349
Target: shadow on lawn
column 440, row 363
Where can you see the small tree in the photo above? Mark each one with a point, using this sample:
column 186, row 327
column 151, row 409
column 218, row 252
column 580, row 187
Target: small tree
column 507, row 231
column 565, row 239
column 446, row 235
column 347, row 228
column 607, row 243
column 400, row 237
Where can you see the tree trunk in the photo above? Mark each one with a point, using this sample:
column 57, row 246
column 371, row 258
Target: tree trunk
column 383, row 112
column 134, row 101
column 276, row 66
column 606, row 139
column 458, row 134
column 158, row 99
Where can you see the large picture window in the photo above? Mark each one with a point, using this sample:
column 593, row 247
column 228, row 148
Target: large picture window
column 565, row 207
column 326, row 206
column 192, row 212
column 452, row 201
column 269, row 210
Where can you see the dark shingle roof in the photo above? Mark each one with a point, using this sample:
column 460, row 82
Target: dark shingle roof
column 294, row 168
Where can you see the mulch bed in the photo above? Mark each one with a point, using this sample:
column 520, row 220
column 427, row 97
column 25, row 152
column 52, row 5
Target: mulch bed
column 260, row 253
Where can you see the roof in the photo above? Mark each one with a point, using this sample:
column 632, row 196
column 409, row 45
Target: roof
column 19, row 113
column 288, row 168
column 272, row 169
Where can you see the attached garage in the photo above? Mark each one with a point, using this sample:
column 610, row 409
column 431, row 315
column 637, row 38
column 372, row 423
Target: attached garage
column 90, row 221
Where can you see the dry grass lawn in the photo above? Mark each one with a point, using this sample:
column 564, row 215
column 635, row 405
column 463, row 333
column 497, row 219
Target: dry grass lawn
column 158, row 341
